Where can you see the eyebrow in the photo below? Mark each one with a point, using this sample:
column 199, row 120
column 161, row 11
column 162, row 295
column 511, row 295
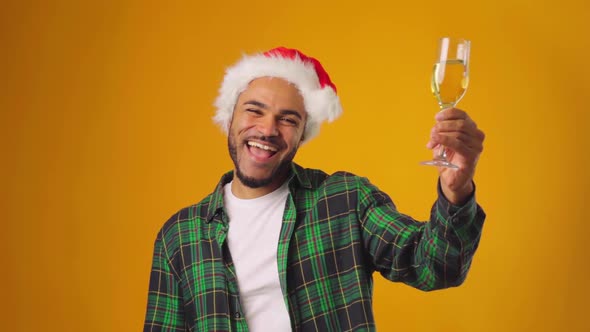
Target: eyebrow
column 264, row 106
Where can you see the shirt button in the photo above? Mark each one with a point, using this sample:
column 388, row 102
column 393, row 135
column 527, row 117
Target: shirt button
column 237, row 315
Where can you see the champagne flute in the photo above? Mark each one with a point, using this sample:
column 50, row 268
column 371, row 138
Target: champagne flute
column 450, row 78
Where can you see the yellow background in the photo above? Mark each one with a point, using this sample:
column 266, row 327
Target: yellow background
column 105, row 114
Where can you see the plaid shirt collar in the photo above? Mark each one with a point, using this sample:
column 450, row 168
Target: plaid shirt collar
column 297, row 178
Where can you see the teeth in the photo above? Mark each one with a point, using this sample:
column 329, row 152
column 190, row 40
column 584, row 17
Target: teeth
column 262, row 146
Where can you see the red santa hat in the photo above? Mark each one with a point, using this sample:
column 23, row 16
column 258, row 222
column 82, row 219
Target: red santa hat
column 306, row 73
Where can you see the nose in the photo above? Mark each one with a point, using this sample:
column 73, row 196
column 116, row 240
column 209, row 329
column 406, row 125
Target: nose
column 267, row 126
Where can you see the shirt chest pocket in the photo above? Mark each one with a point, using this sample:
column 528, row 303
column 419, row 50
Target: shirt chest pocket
column 325, row 250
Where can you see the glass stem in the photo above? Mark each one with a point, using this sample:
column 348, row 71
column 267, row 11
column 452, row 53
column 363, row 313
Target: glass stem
column 442, row 154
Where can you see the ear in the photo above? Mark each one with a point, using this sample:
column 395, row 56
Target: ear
column 302, row 134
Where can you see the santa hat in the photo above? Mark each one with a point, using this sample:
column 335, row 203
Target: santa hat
column 306, row 73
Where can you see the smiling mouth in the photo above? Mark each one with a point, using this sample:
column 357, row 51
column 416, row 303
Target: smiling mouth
column 260, row 150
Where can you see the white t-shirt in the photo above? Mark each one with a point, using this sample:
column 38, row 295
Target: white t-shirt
column 253, row 237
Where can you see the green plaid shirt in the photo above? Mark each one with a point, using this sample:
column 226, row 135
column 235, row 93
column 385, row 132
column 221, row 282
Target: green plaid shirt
column 337, row 230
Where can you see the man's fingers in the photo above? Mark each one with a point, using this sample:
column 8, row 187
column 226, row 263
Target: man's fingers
column 457, row 141
column 457, row 131
column 451, row 114
column 458, row 127
column 454, row 125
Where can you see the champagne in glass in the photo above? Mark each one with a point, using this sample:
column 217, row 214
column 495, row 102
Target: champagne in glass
column 450, row 78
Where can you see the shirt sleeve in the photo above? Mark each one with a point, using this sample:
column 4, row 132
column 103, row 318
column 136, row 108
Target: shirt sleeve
column 165, row 302
column 425, row 255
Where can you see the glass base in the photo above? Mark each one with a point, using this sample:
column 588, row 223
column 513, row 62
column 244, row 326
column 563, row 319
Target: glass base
column 439, row 163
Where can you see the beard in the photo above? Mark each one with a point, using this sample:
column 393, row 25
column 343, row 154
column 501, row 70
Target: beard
column 253, row 182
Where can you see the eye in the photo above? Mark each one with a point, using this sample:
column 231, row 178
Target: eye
column 289, row 121
column 254, row 111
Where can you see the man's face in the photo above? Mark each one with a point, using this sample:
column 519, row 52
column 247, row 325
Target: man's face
column 266, row 130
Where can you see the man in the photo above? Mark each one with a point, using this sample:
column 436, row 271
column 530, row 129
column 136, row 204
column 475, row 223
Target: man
column 277, row 247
